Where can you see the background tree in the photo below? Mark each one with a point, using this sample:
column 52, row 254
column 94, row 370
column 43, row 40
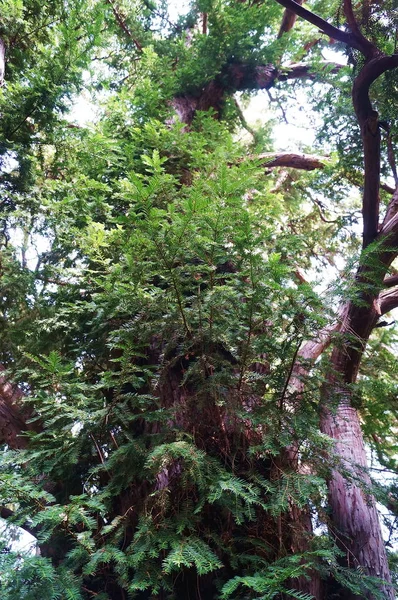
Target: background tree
column 167, row 438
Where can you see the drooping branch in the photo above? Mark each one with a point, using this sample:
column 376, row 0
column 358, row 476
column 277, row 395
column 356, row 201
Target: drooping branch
column 377, row 64
column 368, row 120
column 288, row 20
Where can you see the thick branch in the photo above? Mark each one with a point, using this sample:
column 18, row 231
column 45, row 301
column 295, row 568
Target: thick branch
column 309, row 353
column 288, row 20
column 368, row 49
column 239, row 77
column 391, row 211
column 388, row 299
column 391, row 281
column 368, row 120
column 306, row 162
column 324, row 26
column 271, row 160
column 371, row 71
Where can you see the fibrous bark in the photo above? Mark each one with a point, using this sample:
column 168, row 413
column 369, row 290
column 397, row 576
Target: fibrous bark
column 2, row 61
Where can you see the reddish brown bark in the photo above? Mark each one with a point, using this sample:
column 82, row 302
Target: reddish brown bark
column 13, row 417
column 2, row 61
column 354, row 517
column 288, row 20
column 238, row 77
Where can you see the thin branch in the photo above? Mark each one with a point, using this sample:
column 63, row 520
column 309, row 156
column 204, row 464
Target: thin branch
column 280, row 105
column 243, row 121
column 123, row 25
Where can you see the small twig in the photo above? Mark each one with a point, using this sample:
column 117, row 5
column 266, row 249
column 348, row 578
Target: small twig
column 243, row 121
column 277, row 101
column 99, row 451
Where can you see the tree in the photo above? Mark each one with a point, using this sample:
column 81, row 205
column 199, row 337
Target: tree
column 173, row 433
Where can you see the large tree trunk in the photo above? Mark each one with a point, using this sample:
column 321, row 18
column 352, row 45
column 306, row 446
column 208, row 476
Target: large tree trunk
column 354, row 517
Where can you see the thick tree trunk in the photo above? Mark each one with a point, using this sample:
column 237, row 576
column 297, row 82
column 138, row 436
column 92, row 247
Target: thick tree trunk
column 354, row 517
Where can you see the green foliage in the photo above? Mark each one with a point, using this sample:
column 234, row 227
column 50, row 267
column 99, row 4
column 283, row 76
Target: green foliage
column 156, row 334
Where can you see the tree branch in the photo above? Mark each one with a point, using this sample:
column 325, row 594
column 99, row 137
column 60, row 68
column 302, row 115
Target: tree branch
column 368, row 120
column 391, row 281
column 270, row 160
column 368, row 49
column 123, row 25
column 239, row 77
column 388, row 299
column 326, row 28
column 288, row 20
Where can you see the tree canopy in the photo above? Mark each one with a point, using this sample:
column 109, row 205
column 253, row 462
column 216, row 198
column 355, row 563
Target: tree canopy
column 198, row 388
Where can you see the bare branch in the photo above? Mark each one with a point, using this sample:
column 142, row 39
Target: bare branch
column 306, row 162
column 388, row 299
column 326, row 28
column 392, row 209
column 243, row 121
column 391, row 281
column 288, row 20
column 309, row 352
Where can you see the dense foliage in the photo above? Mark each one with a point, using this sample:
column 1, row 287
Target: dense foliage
column 160, row 278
